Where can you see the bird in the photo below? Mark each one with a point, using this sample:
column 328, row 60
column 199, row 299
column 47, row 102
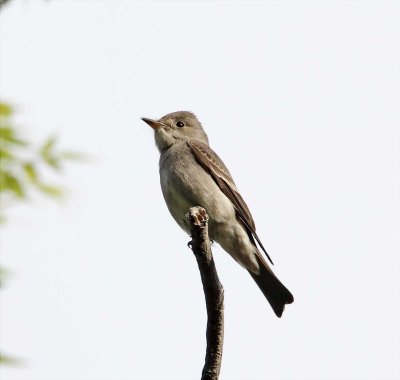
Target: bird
column 192, row 174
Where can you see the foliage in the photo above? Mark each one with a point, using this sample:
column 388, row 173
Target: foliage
column 21, row 172
column 21, row 162
column 9, row 360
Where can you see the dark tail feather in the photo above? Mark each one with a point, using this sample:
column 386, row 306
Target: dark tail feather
column 275, row 292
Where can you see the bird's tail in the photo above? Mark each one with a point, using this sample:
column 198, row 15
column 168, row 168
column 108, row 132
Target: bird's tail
column 275, row 292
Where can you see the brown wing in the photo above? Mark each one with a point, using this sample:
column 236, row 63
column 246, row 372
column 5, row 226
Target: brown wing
column 210, row 162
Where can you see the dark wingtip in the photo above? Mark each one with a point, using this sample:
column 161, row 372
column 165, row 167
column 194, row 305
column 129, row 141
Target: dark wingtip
column 264, row 250
column 268, row 257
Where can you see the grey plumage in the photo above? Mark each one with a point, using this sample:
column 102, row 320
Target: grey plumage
column 192, row 174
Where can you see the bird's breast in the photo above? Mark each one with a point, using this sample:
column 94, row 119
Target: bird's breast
column 175, row 168
column 186, row 184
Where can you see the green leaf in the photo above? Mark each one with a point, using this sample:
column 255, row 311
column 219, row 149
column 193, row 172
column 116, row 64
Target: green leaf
column 10, row 183
column 72, row 155
column 48, row 146
column 4, row 275
column 9, row 360
column 46, row 152
column 53, row 191
column 30, row 171
column 8, row 134
column 5, row 155
column 53, row 162
column 5, row 110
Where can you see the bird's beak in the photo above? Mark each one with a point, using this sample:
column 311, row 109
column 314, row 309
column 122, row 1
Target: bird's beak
column 153, row 123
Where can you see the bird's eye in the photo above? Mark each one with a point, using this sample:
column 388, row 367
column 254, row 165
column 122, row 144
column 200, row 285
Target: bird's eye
column 180, row 124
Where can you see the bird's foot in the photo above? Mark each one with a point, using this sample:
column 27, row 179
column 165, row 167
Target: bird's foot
column 198, row 216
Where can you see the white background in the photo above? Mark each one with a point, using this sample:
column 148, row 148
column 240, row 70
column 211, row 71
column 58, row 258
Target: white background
column 300, row 99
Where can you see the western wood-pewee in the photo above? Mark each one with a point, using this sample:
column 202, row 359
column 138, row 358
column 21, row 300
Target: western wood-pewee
column 192, row 174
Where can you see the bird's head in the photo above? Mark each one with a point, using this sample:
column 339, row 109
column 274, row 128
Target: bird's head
column 176, row 127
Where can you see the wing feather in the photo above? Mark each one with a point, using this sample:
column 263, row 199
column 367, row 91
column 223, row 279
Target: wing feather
column 210, row 162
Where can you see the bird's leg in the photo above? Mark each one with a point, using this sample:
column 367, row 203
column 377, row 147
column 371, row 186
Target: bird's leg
column 198, row 217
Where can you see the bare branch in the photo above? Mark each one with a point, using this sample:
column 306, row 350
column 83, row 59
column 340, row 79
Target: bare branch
column 213, row 291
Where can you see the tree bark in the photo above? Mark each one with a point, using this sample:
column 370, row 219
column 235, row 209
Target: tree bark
column 213, row 292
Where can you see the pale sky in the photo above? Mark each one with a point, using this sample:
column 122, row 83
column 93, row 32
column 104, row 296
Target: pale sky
column 300, row 99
